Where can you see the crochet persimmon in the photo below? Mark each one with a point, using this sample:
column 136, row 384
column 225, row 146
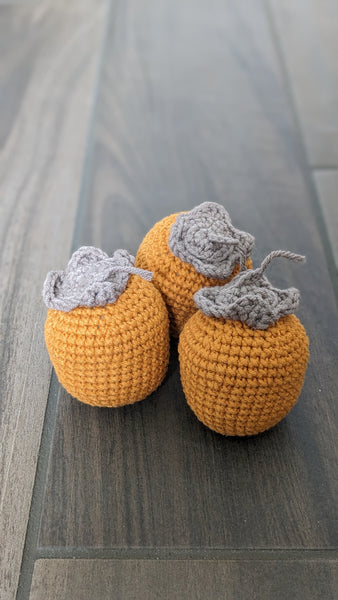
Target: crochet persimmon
column 191, row 250
column 107, row 329
column 243, row 354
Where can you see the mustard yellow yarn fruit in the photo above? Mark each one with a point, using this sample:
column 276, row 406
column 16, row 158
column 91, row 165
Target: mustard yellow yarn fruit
column 107, row 329
column 243, row 359
column 191, row 250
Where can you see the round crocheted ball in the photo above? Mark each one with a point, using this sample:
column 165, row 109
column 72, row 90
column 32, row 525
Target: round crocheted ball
column 108, row 353
column 191, row 250
column 242, row 379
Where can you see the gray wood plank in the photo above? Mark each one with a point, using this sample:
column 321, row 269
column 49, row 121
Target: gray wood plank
column 327, row 188
column 188, row 579
column 49, row 59
column 192, row 107
column 308, row 33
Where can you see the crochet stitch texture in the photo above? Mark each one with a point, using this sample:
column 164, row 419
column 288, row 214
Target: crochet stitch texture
column 243, row 357
column 250, row 297
column 240, row 381
column 205, row 238
column 91, row 278
column 176, row 279
column 114, row 354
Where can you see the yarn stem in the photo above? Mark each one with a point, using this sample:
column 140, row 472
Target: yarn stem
column 147, row 275
column 280, row 254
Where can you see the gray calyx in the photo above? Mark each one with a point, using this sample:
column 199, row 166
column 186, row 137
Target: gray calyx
column 91, row 279
column 206, row 238
column 250, row 297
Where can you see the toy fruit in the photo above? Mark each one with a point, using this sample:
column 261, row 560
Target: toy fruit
column 243, row 355
column 191, row 250
column 107, row 328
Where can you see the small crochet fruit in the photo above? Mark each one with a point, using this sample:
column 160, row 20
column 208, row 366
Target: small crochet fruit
column 107, row 328
column 191, row 250
column 243, row 355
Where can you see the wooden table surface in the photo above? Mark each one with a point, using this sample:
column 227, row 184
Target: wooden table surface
column 114, row 114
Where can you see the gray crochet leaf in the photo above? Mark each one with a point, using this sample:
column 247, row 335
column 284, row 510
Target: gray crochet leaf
column 250, row 297
column 90, row 279
column 206, row 238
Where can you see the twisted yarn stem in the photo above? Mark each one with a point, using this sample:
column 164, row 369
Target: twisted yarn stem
column 147, row 275
column 250, row 297
column 90, row 279
column 279, row 254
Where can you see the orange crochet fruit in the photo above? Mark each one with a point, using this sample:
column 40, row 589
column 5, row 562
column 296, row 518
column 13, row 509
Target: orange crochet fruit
column 238, row 378
column 114, row 350
column 190, row 250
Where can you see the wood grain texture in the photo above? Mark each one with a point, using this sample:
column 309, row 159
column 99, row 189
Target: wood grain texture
column 178, row 579
column 49, row 59
column 192, row 108
column 327, row 188
column 308, row 34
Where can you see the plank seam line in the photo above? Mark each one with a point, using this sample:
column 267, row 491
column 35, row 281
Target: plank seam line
column 187, row 553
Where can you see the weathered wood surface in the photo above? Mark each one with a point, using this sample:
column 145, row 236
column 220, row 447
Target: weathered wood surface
column 192, row 107
column 48, row 68
column 188, row 579
column 308, row 34
column 327, row 188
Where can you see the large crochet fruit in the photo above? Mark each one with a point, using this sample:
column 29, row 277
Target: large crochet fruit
column 191, row 250
column 107, row 328
column 243, row 355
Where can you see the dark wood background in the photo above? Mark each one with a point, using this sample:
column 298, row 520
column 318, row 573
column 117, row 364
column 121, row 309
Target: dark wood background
column 166, row 105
